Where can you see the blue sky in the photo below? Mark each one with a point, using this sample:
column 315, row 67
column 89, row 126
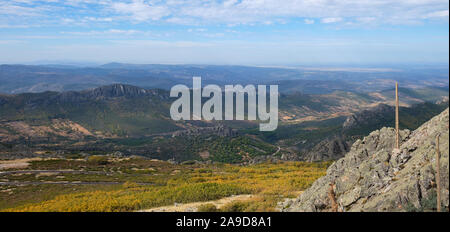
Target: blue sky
column 250, row 32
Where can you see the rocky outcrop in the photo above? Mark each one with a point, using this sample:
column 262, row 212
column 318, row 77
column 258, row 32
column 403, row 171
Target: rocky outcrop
column 46, row 99
column 360, row 123
column 328, row 149
column 110, row 91
column 375, row 177
column 443, row 100
column 117, row 90
column 368, row 116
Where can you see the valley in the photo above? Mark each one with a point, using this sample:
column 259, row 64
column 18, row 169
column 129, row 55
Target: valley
column 104, row 146
column 134, row 121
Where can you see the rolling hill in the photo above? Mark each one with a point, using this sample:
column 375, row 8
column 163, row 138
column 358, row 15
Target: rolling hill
column 136, row 120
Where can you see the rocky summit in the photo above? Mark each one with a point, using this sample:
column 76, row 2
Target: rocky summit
column 373, row 176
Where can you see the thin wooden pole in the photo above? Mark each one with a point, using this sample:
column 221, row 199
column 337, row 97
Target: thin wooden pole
column 397, row 139
column 332, row 197
column 438, row 174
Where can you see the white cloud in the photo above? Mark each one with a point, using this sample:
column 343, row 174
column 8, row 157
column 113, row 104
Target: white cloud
column 437, row 14
column 331, row 20
column 107, row 32
column 107, row 19
column 197, row 30
column 228, row 12
column 229, row 3
column 14, row 26
column 366, row 19
column 214, row 35
column 309, row 21
column 260, row 11
column 141, row 11
column 16, row 10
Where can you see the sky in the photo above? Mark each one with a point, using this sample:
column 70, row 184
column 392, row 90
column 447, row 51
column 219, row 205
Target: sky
column 246, row 32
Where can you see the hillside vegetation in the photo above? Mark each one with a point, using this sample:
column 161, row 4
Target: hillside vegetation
column 148, row 184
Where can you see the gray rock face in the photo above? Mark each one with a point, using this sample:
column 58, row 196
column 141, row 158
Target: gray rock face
column 328, row 149
column 110, row 91
column 375, row 177
column 366, row 117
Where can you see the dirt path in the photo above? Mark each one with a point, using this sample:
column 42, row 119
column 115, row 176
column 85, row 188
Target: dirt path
column 17, row 163
column 20, row 183
column 192, row 207
column 279, row 149
column 50, row 171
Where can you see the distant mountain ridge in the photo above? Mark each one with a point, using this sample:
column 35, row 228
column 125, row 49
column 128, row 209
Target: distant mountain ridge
column 41, row 78
column 112, row 91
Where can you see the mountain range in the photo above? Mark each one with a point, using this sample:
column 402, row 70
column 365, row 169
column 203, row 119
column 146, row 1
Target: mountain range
column 136, row 120
column 40, row 78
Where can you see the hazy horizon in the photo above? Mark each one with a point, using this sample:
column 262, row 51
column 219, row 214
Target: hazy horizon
column 375, row 66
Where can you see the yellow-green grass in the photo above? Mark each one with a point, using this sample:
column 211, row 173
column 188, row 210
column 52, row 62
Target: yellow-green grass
column 269, row 182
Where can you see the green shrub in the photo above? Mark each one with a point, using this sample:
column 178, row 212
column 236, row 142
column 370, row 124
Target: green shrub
column 129, row 184
column 98, row 159
column 73, row 156
column 235, row 207
column 188, row 162
column 207, row 208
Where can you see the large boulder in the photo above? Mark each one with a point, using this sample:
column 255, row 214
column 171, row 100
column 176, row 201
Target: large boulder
column 374, row 176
